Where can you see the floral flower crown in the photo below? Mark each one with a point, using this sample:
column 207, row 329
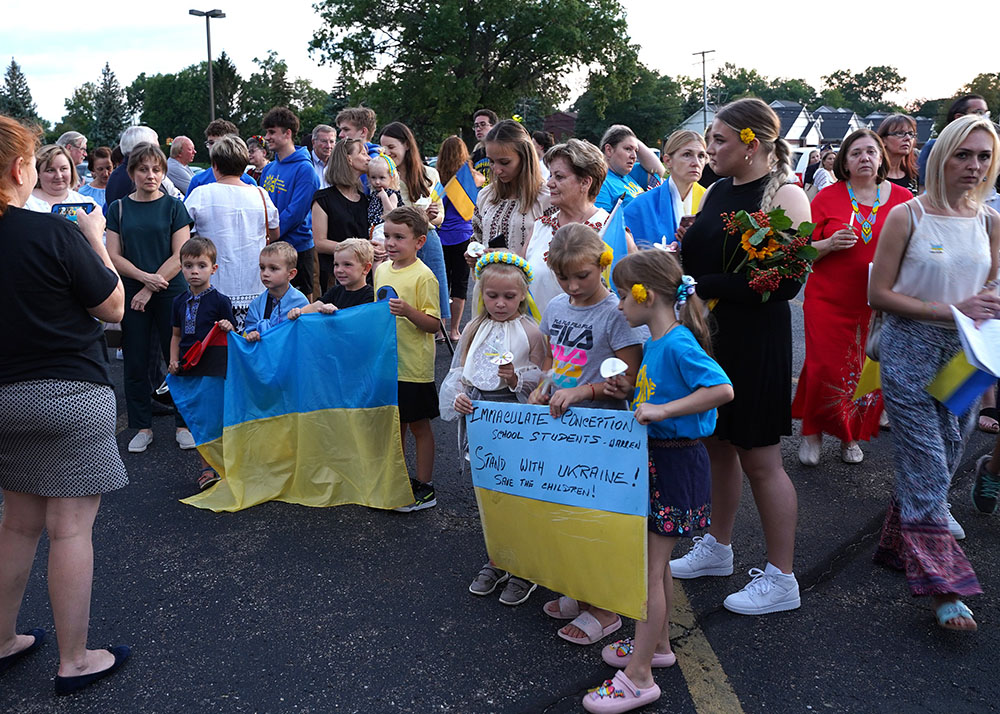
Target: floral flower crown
column 500, row 256
column 260, row 141
column 747, row 135
column 389, row 162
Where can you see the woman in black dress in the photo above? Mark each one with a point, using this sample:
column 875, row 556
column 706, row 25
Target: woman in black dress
column 340, row 211
column 753, row 343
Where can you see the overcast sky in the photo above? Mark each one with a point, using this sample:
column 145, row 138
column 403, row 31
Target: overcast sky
column 808, row 44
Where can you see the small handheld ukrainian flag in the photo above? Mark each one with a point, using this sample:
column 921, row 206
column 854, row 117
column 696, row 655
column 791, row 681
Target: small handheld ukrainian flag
column 437, row 193
column 462, row 192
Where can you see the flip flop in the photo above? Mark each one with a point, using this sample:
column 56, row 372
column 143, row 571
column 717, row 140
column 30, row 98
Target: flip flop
column 566, row 608
column 591, row 627
column 619, row 694
column 948, row 611
column 619, row 654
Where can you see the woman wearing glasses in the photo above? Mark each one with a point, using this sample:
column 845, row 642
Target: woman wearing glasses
column 899, row 134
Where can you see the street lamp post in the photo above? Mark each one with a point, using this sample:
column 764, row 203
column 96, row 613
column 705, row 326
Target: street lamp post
column 209, row 14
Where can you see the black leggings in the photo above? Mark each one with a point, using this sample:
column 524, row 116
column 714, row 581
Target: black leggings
column 457, row 270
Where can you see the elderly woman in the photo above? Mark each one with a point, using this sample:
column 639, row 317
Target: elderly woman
column 260, row 157
column 849, row 217
column 146, row 230
column 75, row 144
column 576, row 172
column 57, row 435
column 899, row 134
column 56, row 178
column 239, row 218
column 937, row 252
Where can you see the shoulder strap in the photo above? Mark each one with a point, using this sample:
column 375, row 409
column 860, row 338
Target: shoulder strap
column 913, row 224
column 121, row 233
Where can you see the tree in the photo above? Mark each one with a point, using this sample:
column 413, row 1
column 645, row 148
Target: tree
column 228, row 85
column 79, row 114
column 110, row 110
column 433, row 64
column 15, row 95
column 731, row 82
column 174, row 104
column 865, row 92
column 653, row 108
column 985, row 85
column 792, row 90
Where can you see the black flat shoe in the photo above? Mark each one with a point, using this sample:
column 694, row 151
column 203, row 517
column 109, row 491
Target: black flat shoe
column 10, row 660
column 68, row 685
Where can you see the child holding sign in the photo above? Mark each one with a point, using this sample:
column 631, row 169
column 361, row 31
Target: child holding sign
column 498, row 359
column 676, row 393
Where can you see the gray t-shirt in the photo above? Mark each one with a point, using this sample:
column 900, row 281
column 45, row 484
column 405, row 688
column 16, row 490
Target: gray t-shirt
column 179, row 174
column 582, row 337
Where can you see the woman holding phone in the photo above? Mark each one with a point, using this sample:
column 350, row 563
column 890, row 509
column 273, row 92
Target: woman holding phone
column 849, row 215
column 56, row 177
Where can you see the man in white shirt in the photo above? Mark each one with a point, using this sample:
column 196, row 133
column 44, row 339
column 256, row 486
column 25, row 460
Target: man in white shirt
column 323, row 138
column 182, row 153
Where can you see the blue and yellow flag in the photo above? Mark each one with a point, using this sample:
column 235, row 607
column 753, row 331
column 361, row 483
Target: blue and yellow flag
column 437, row 193
column 613, row 234
column 462, row 192
column 958, row 385
column 564, row 500
column 308, row 415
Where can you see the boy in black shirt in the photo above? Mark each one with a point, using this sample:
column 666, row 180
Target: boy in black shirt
column 195, row 312
column 352, row 261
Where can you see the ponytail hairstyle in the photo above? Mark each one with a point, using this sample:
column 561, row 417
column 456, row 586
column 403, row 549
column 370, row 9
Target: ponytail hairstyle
column 411, row 168
column 753, row 114
column 16, row 142
column 487, row 273
column 660, row 272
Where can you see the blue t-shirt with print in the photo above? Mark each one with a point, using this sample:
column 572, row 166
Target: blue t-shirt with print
column 613, row 187
column 673, row 367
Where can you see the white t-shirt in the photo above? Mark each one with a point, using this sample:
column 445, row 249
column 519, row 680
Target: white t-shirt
column 41, row 205
column 233, row 218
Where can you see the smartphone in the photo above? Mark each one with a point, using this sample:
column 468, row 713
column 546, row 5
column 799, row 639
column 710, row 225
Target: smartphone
column 70, row 209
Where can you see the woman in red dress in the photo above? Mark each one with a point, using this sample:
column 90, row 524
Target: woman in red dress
column 848, row 215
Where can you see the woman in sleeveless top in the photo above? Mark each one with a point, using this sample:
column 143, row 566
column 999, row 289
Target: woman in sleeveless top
column 936, row 252
column 753, row 344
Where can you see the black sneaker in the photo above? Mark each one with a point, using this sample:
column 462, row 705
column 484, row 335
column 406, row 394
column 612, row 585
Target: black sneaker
column 423, row 498
column 985, row 488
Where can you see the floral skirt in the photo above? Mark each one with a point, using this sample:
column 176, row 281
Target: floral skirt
column 680, row 487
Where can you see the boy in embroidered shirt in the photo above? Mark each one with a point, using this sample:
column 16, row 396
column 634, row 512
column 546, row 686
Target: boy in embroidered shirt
column 352, row 261
column 195, row 312
column 277, row 268
column 418, row 317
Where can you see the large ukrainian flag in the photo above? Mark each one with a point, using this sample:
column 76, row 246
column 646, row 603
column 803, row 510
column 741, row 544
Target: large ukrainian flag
column 553, row 531
column 308, row 415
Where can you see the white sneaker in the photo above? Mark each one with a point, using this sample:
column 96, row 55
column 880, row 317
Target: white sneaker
column 809, row 451
column 184, row 439
column 139, row 442
column 770, row 590
column 851, row 453
column 707, row 557
column 954, row 527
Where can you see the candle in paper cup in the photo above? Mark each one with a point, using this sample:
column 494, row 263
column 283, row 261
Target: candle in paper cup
column 612, row 367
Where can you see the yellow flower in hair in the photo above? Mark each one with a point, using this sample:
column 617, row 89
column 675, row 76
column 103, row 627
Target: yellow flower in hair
column 606, row 257
column 747, row 135
column 639, row 293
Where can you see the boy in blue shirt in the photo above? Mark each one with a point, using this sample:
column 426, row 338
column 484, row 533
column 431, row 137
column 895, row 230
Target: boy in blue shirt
column 291, row 181
column 195, row 312
column 277, row 269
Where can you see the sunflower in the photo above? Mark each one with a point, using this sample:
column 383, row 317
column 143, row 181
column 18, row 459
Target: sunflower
column 760, row 252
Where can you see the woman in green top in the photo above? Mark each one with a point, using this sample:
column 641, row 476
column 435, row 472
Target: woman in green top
column 146, row 230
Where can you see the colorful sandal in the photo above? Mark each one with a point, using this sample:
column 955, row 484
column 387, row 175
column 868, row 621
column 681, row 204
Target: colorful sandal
column 946, row 612
column 619, row 695
column 209, row 477
column 619, row 654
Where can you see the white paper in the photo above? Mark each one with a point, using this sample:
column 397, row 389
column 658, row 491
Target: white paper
column 982, row 344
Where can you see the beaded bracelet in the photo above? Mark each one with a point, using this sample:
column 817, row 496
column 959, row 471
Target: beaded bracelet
column 991, row 284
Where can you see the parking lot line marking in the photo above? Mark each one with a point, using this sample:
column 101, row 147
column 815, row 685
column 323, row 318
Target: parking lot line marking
column 707, row 682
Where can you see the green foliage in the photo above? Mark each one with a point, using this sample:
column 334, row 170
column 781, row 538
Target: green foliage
column 865, row 92
column 110, row 110
column 432, row 64
column 174, row 104
column 652, row 108
column 15, row 96
column 79, row 114
column 731, row 82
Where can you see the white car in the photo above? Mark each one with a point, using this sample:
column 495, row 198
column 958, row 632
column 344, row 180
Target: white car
column 800, row 160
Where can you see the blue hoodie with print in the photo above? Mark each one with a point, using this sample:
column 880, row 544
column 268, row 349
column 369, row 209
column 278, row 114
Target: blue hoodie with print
column 292, row 182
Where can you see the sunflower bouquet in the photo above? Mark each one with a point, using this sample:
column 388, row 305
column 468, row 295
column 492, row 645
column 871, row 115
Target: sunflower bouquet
column 770, row 251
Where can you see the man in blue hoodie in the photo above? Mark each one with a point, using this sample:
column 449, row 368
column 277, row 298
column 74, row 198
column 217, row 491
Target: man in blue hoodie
column 291, row 181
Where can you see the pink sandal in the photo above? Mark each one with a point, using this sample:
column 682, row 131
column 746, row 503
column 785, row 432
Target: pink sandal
column 619, row 695
column 565, row 608
column 592, row 628
column 619, row 654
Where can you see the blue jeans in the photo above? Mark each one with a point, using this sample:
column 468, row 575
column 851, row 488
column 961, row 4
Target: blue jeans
column 433, row 257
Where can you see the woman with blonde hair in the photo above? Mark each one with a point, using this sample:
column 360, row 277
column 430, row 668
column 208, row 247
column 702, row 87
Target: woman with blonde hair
column 937, row 253
column 753, row 344
column 56, row 178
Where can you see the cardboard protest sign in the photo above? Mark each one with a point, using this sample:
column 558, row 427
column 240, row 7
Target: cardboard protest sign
column 563, row 501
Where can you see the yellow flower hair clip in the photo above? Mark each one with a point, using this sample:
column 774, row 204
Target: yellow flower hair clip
column 606, row 257
column 639, row 293
column 500, row 256
column 747, row 135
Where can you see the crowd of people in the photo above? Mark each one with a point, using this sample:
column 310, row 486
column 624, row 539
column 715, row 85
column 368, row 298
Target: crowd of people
column 274, row 229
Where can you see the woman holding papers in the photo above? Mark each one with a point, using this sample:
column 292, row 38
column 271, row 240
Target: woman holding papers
column 849, row 217
column 937, row 256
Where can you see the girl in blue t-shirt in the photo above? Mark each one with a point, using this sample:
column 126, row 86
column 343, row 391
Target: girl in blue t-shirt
column 676, row 392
